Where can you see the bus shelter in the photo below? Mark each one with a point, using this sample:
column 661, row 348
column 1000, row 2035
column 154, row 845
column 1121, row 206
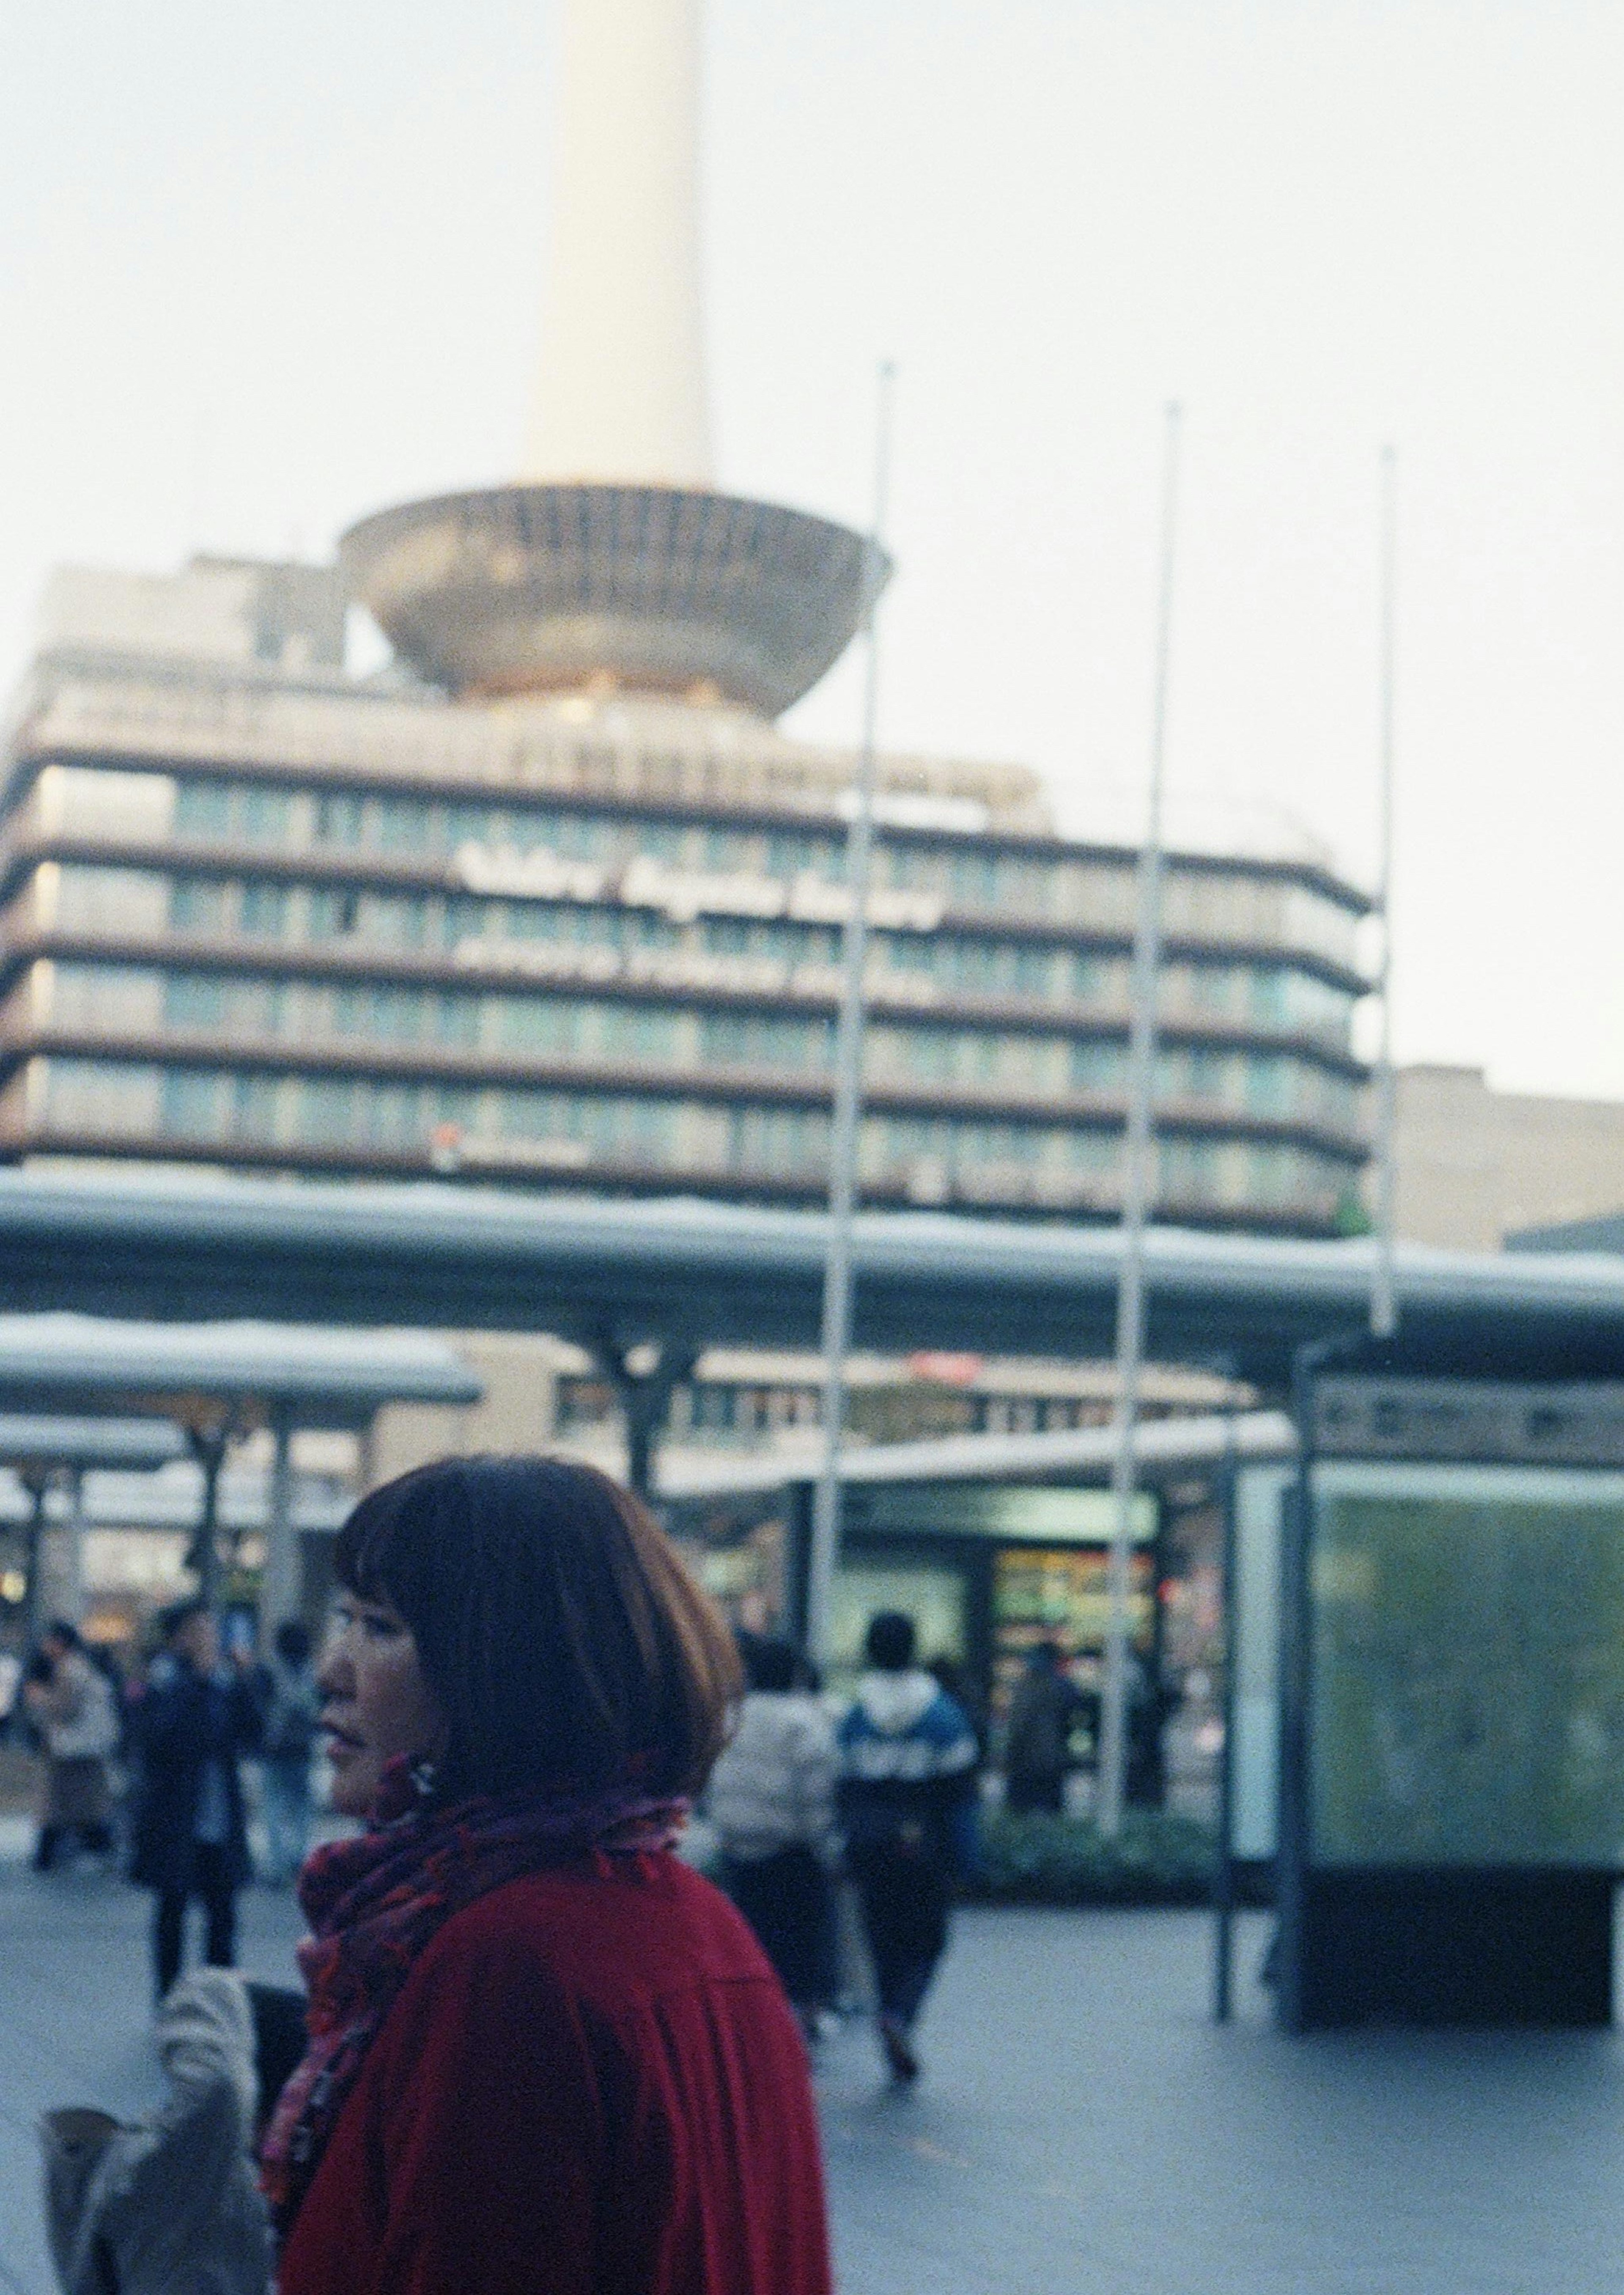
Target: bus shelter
column 212, row 1383
column 1426, row 1708
column 45, row 1451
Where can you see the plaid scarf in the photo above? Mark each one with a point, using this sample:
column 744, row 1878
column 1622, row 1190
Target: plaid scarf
column 374, row 1902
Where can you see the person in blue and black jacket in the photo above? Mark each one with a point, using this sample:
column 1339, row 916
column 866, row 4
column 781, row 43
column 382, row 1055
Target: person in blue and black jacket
column 908, row 1763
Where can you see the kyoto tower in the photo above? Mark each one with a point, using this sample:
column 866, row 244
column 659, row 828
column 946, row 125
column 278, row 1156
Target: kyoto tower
column 612, row 563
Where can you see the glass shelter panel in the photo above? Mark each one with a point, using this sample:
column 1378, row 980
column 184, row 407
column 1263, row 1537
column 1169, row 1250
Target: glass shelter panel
column 1466, row 1701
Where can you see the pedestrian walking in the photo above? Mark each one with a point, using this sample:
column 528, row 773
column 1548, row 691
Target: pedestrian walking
column 544, row 2051
column 72, row 1705
column 907, row 1760
column 291, row 1703
column 1043, row 1711
column 192, row 1726
column 772, row 1801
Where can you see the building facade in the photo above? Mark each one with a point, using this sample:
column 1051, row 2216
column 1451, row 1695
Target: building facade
column 1475, row 1165
column 257, row 912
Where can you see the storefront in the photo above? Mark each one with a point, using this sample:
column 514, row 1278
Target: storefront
column 986, row 1570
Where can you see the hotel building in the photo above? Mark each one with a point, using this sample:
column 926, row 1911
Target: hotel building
column 257, row 912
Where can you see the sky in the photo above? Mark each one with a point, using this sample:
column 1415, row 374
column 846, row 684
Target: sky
column 264, row 270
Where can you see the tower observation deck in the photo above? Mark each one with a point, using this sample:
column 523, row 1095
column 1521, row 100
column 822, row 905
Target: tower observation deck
column 612, row 563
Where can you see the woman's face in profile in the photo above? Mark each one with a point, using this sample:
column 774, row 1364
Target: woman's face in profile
column 375, row 1703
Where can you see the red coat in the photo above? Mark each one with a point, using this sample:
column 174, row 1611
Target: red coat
column 590, row 2084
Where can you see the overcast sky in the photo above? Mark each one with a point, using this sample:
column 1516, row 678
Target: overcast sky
column 264, row 269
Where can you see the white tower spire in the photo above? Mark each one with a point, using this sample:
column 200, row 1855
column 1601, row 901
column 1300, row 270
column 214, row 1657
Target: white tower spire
column 621, row 393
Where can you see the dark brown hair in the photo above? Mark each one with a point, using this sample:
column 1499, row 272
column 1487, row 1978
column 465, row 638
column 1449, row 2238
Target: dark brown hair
column 565, row 1642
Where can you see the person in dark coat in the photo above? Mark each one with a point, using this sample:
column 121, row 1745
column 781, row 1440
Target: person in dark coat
column 193, row 1723
column 1037, row 1739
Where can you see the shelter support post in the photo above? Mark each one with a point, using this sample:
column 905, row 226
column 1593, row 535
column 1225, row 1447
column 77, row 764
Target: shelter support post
column 1223, row 1875
column 36, row 1483
column 280, row 1584
column 69, row 1589
column 208, row 1448
column 645, row 1376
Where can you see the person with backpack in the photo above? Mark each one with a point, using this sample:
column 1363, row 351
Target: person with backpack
column 908, row 1763
column 288, row 1735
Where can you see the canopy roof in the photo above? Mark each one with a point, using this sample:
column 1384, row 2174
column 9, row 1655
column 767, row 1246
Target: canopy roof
column 467, row 1258
column 38, row 1440
column 79, row 1363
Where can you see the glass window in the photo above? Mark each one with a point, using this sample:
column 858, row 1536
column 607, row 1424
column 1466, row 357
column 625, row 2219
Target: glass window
column 264, row 814
column 203, row 809
column 253, row 1107
column 1098, row 1066
column 194, row 999
column 456, row 1019
column 189, row 1108
column 402, row 823
column 265, row 910
column 340, row 820
column 1267, row 991
column 334, row 910
column 328, row 1109
column 1034, row 968
column 1269, row 1083
column 197, row 904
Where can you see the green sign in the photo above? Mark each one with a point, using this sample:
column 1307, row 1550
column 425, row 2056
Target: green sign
column 1052, row 1517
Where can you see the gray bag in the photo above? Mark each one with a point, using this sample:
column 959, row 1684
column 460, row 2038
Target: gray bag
column 171, row 2206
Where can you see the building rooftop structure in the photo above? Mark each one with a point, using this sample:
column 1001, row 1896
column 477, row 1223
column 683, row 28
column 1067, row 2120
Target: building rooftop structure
column 1477, row 1166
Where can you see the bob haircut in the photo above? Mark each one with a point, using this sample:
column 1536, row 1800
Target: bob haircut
column 564, row 1643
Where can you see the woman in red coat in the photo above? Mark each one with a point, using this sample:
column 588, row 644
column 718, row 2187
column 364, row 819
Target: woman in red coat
column 546, row 2058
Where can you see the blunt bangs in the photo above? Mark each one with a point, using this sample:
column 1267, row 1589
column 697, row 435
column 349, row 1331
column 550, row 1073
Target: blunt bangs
column 555, row 1622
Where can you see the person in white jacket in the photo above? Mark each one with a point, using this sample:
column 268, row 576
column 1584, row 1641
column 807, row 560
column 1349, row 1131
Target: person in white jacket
column 171, row 2207
column 72, row 1705
column 771, row 1802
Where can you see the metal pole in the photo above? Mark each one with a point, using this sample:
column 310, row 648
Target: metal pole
column 38, row 1485
column 1223, row 1936
column 848, row 1079
column 1138, row 1187
column 279, row 1586
column 73, row 1569
column 1384, row 1305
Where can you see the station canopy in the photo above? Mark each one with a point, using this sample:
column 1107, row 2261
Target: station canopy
column 36, row 1441
column 1085, row 1455
column 463, row 1257
column 203, row 1372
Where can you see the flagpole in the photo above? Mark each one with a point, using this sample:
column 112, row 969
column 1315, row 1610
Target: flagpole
column 1383, row 1304
column 1138, row 1192
column 847, row 1108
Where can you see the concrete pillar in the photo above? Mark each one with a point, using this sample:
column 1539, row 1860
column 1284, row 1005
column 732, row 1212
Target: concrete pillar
column 644, row 1376
column 68, row 1577
column 208, row 1448
column 36, row 1483
column 282, row 1583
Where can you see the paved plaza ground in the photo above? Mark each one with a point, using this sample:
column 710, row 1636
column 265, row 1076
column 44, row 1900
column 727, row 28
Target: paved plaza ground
column 1082, row 2128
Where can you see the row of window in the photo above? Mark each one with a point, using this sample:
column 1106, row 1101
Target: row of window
column 1067, row 889
column 494, row 1127
column 732, row 1406
column 760, row 953
column 130, row 1001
